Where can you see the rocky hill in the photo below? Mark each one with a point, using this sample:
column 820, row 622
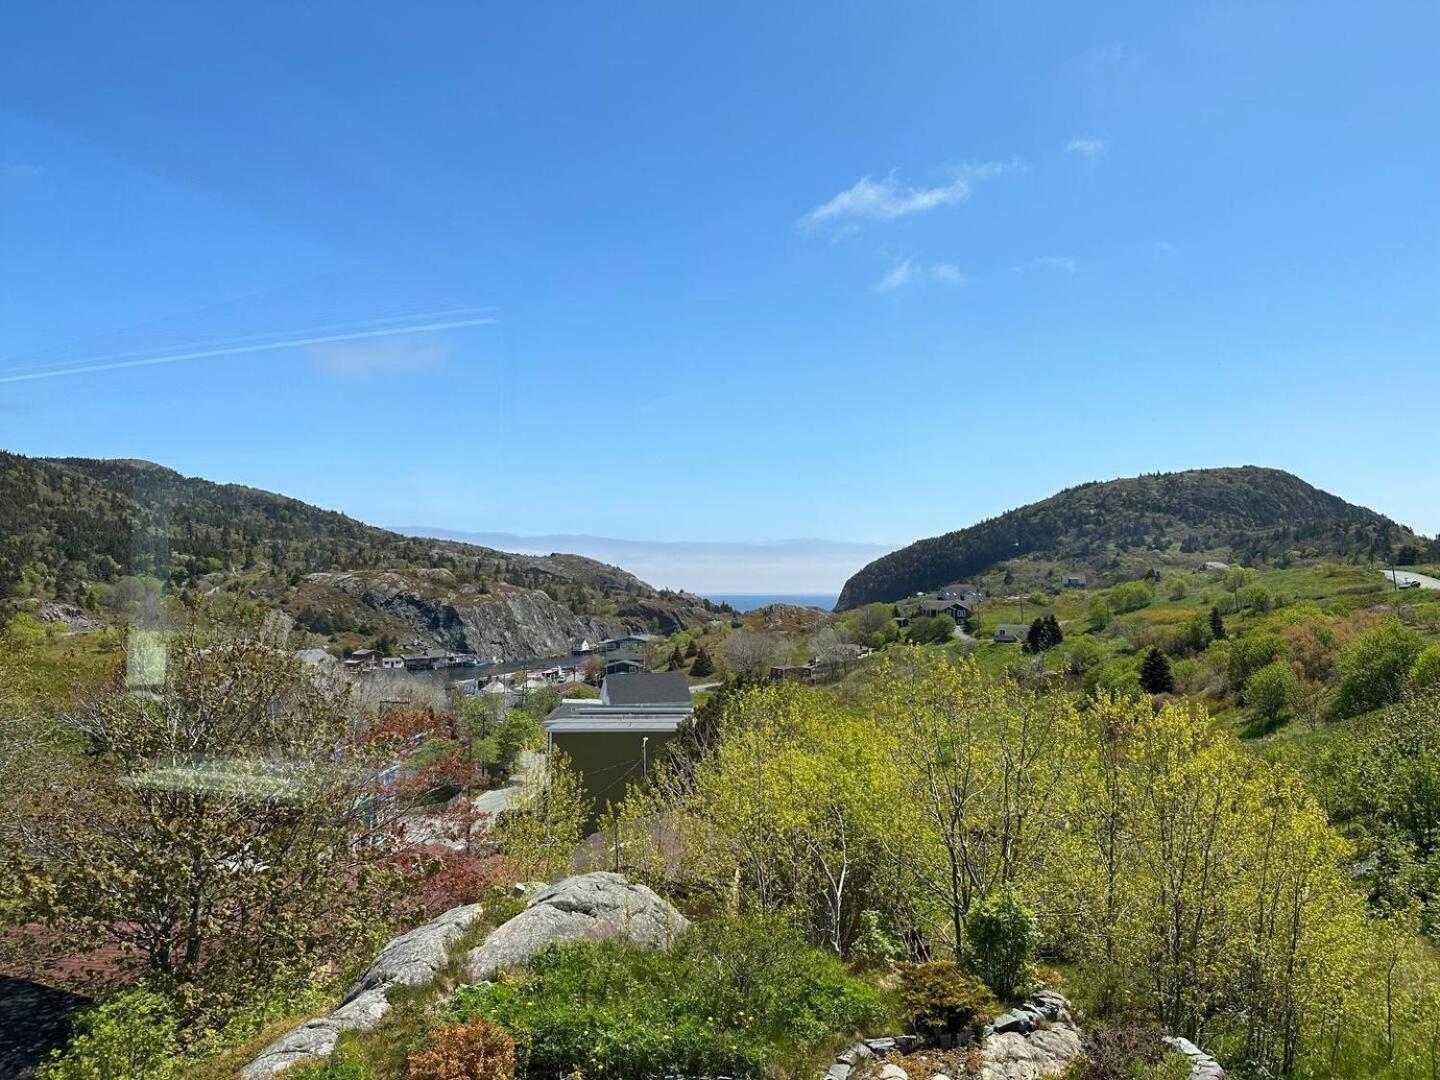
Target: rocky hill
column 1118, row 529
column 100, row 534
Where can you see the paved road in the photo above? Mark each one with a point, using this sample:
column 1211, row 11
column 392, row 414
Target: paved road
column 1402, row 576
column 508, row 794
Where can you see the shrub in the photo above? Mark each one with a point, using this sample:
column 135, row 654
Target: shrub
column 477, row 1050
column 133, row 1036
column 1249, row 654
column 1373, row 668
column 874, row 945
column 1002, row 936
column 344, row 1064
column 1273, row 692
column 732, row 997
column 939, row 997
column 1256, row 598
column 1098, row 614
column 1127, row 1051
column 1425, row 672
column 1082, row 655
column 1130, row 597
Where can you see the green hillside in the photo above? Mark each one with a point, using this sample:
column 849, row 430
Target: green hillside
column 87, row 532
column 1118, row 529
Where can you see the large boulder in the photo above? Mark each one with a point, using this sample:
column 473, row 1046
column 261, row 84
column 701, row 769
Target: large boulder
column 1037, row 1039
column 1202, row 1065
column 587, row 906
column 412, row 959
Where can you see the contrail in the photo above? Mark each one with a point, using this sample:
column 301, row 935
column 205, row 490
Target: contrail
column 236, row 350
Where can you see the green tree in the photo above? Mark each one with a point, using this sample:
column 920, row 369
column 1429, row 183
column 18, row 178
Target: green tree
column 1425, row 672
column 1155, row 674
column 1273, row 692
column 1098, row 614
column 1035, row 637
column 703, row 666
column 228, row 826
column 1217, row 625
column 1053, row 634
column 1373, row 668
column 1002, row 935
column 677, row 660
column 934, row 630
column 133, row 1036
column 540, row 835
column 1131, row 596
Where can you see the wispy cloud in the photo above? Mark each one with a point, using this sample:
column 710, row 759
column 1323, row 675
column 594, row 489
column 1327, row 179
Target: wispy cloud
column 20, row 170
column 1164, row 247
column 1063, row 263
column 366, row 360
column 1088, row 148
column 869, row 200
column 897, row 277
column 909, row 272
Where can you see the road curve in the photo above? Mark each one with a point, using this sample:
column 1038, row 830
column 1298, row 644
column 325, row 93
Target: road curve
column 1402, row 576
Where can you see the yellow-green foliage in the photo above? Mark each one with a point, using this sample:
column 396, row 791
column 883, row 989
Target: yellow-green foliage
column 1202, row 885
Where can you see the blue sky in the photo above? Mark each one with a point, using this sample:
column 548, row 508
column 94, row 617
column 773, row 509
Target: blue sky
column 731, row 272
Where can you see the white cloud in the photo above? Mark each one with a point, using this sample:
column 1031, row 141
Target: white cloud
column 910, row 272
column 348, row 361
column 1063, row 263
column 20, row 170
column 1090, row 148
column 885, row 199
column 897, row 277
column 1164, row 247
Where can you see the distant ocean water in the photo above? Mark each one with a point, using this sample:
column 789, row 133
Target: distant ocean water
column 751, row 601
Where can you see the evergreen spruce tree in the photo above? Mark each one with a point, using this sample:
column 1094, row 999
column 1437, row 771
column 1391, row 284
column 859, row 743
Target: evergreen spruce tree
column 1155, row 674
column 1217, row 625
column 1035, row 639
column 1053, row 634
column 691, row 650
column 703, row 665
column 677, row 660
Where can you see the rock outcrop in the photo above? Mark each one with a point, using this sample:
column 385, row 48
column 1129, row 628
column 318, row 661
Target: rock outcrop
column 1202, row 1065
column 412, row 959
column 1036, row 1039
column 587, row 906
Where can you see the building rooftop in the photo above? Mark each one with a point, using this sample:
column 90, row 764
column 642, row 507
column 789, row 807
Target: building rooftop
column 646, row 688
column 596, row 716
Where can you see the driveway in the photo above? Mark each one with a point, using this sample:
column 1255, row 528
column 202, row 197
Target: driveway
column 508, row 794
column 1402, row 576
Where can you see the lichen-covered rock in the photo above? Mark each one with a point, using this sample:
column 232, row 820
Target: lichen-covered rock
column 412, row 959
column 1034, row 1040
column 587, row 906
column 1202, row 1065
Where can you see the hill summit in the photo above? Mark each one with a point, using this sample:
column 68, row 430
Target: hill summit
column 112, row 534
column 1117, row 529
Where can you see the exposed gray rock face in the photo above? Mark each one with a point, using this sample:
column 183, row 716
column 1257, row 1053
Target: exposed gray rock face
column 525, row 622
column 1202, row 1065
column 412, row 959
column 415, row 958
column 1037, row 1039
column 592, row 906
